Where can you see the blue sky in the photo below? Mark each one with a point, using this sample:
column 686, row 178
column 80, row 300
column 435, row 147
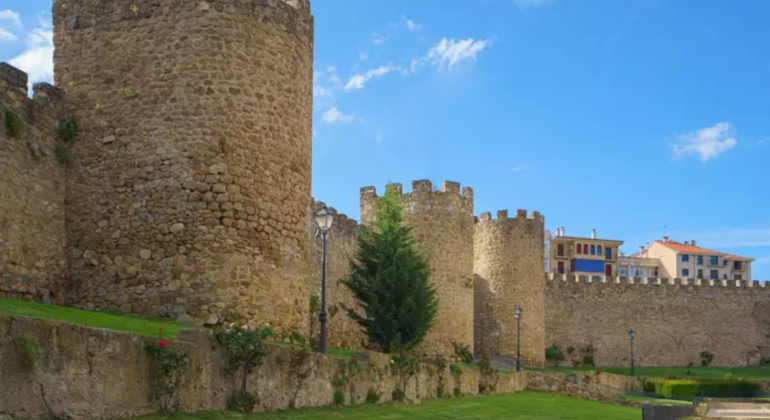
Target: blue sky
column 624, row 116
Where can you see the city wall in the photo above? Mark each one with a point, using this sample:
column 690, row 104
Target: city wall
column 32, row 190
column 673, row 320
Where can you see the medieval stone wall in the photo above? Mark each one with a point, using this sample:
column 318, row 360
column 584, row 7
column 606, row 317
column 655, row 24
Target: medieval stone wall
column 341, row 245
column 443, row 229
column 674, row 321
column 190, row 183
column 508, row 268
column 32, row 184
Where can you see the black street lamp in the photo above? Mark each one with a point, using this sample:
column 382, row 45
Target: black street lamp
column 517, row 314
column 631, row 338
column 324, row 219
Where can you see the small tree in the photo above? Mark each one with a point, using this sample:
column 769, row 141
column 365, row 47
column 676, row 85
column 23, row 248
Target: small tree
column 554, row 354
column 389, row 279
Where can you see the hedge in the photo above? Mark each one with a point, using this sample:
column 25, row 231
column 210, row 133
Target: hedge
column 721, row 388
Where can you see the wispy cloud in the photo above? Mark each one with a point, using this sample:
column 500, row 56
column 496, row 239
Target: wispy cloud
column 358, row 81
column 378, row 39
column 450, row 52
column 11, row 18
column 7, row 36
column 335, row 116
column 519, row 168
column 706, row 143
column 763, row 141
column 37, row 60
column 410, row 24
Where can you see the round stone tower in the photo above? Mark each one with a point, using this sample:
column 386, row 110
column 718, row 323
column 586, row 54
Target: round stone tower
column 509, row 271
column 190, row 177
column 443, row 229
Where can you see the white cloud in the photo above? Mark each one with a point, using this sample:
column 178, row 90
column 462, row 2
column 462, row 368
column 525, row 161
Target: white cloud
column 519, row 168
column 378, row 39
column 358, row 81
column 335, row 116
column 410, row 24
column 321, row 91
column 12, row 17
column 37, row 60
column 707, row 143
column 6, row 36
column 335, row 79
column 450, row 52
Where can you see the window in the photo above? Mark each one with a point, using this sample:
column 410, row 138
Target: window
column 725, row 261
column 560, row 267
column 585, row 249
column 560, row 250
column 546, row 264
column 714, row 275
column 655, row 272
column 593, row 249
column 700, row 259
column 700, row 273
column 608, row 253
column 737, row 265
column 623, row 271
column 714, row 260
column 685, row 258
column 685, row 272
column 579, row 249
column 547, row 245
column 598, row 250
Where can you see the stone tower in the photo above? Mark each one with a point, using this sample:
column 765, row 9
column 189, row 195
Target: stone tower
column 443, row 229
column 190, row 179
column 508, row 268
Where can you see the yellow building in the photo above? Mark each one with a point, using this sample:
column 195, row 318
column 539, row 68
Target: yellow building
column 687, row 260
column 591, row 257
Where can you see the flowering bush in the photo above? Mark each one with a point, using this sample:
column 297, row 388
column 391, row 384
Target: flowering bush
column 169, row 368
column 244, row 350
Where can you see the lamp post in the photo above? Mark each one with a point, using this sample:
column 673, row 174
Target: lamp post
column 323, row 219
column 631, row 338
column 517, row 315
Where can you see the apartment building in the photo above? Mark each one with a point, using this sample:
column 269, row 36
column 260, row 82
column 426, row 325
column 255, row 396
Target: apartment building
column 591, row 256
column 688, row 260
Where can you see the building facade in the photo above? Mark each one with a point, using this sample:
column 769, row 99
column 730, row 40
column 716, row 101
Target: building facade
column 591, row 257
column 688, row 260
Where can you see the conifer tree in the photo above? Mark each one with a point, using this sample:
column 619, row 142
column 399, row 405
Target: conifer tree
column 389, row 279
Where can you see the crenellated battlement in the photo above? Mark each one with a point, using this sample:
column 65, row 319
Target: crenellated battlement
column 503, row 217
column 83, row 14
column 342, row 222
column 658, row 281
column 423, row 197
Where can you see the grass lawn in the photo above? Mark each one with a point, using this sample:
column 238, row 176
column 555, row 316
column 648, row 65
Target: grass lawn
column 696, row 372
column 141, row 326
column 523, row 406
column 658, row 401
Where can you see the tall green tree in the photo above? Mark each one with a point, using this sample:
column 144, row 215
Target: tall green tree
column 389, row 279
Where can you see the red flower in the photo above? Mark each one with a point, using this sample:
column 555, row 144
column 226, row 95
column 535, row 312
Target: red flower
column 162, row 343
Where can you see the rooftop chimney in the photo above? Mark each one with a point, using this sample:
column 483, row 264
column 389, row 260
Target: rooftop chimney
column 593, row 233
column 641, row 250
column 665, row 239
column 563, row 232
column 694, row 243
column 687, row 242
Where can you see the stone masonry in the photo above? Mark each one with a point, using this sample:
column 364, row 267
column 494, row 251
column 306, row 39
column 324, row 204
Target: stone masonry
column 508, row 267
column 190, row 182
column 188, row 195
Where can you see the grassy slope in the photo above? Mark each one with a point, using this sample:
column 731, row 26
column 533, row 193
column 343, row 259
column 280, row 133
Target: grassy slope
column 141, row 326
column 696, row 372
column 523, row 406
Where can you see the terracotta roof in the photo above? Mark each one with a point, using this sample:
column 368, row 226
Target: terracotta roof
column 690, row 249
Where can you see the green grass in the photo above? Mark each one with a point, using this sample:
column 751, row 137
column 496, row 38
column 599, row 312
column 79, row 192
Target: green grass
column 141, row 326
column 523, row 406
column 696, row 372
column 653, row 400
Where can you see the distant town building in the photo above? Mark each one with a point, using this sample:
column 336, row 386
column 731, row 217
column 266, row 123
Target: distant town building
column 591, row 257
column 688, row 260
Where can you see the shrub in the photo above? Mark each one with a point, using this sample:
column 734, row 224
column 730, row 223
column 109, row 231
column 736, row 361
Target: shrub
column 373, row 397
column 489, row 376
column 12, row 122
column 339, row 398
column 456, row 392
column 30, row 346
column 66, row 129
column 62, row 153
column 588, row 360
column 244, row 350
column 455, row 369
column 730, row 388
column 570, row 350
column 727, row 376
column 706, row 358
column 463, row 353
column 677, row 388
column 389, row 279
column 440, row 392
column 554, row 354
column 169, row 367
column 405, row 366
